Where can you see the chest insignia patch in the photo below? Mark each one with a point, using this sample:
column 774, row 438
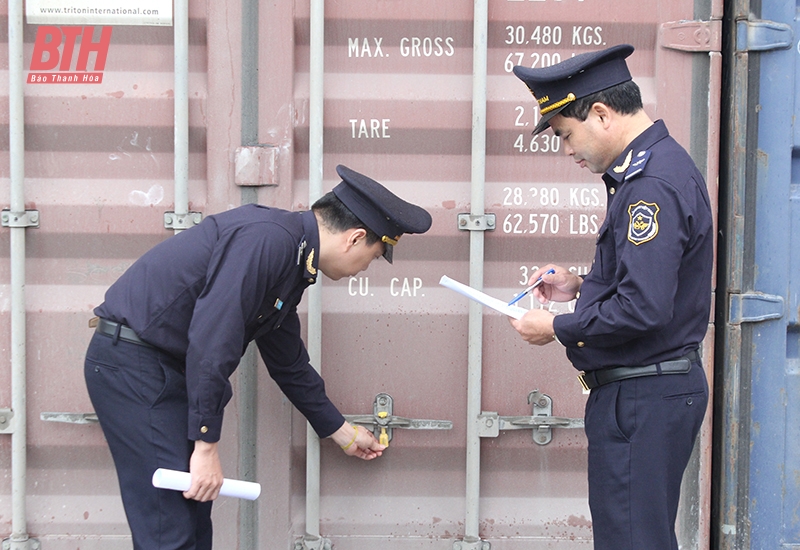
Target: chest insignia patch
column 637, row 166
column 310, row 263
column 278, row 303
column 643, row 225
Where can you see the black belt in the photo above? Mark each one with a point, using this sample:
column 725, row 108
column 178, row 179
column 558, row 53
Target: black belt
column 595, row 378
column 117, row 330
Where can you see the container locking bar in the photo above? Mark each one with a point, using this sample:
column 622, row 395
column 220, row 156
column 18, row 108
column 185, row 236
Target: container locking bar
column 70, row 418
column 542, row 422
column 382, row 422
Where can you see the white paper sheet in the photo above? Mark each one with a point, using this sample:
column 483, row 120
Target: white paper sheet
column 499, row 305
column 181, row 481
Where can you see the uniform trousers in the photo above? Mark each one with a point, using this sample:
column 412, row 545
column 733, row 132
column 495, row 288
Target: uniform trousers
column 139, row 395
column 641, row 432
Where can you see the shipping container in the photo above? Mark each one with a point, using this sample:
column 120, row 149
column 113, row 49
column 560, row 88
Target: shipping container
column 228, row 103
column 758, row 344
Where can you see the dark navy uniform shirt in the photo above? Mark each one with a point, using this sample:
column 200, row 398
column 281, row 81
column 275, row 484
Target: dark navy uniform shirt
column 647, row 297
column 205, row 293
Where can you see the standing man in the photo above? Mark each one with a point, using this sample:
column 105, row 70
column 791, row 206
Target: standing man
column 643, row 309
column 173, row 328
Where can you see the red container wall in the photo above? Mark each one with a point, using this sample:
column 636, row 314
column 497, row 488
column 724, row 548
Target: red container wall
column 398, row 86
column 99, row 169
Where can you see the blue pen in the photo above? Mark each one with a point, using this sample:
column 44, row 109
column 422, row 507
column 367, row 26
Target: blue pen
column 527, row 290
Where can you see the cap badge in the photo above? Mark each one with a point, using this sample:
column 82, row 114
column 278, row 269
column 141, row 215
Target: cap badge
column 624, row 166
column 643, row 225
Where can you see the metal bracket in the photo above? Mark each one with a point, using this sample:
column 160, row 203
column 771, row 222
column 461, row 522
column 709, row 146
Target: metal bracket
column 383, row 422
column 760, row 36
column 468, row 222
column 70, row 418
column 472, row 545
column 256, row 165
column 27, row 544
column 29, row 218
column 542, row 422
column 313, row 543
column 6, row 421
column 691, row 36
column 182, row 221
column 752, row 307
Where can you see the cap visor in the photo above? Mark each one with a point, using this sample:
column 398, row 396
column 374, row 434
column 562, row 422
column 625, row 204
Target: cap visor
column 388, row 252
column 544, row 122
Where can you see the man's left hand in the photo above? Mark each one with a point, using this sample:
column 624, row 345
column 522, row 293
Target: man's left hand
column 535, row 327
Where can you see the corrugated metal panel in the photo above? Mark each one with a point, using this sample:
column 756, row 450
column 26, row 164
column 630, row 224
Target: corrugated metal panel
column 379, row 118
column 99, row 168
column 398, row 107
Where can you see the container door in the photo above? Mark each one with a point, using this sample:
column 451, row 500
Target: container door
column 398, row 86
column 760, row 339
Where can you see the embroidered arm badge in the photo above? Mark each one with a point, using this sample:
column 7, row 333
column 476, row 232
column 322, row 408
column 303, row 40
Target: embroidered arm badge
column 643, row 224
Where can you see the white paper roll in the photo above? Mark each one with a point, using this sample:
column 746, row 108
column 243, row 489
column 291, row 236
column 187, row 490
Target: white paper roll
column 181, row 481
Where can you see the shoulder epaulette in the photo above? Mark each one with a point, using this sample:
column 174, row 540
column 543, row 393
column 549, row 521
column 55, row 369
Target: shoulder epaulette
column 637, row 164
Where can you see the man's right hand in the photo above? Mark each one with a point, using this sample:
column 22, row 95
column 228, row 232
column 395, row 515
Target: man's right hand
column 561, row 286
column 206, row 471
column 357, row 441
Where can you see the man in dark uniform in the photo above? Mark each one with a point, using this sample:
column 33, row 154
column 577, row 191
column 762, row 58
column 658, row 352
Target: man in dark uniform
column 173, row 328
column 643, row 309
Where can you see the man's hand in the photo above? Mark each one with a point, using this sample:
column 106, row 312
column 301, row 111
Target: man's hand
column 535, row 327
column 357, row 441
column 561, row 286
column 206, row 471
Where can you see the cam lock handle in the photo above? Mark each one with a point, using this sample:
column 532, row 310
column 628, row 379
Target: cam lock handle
column 382, row 422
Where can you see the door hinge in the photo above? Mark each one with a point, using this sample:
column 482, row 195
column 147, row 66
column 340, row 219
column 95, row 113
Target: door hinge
column 691, row 36
column 760, row 36
column 752, row 307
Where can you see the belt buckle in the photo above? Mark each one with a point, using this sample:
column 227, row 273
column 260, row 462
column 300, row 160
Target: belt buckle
column 582, row 381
